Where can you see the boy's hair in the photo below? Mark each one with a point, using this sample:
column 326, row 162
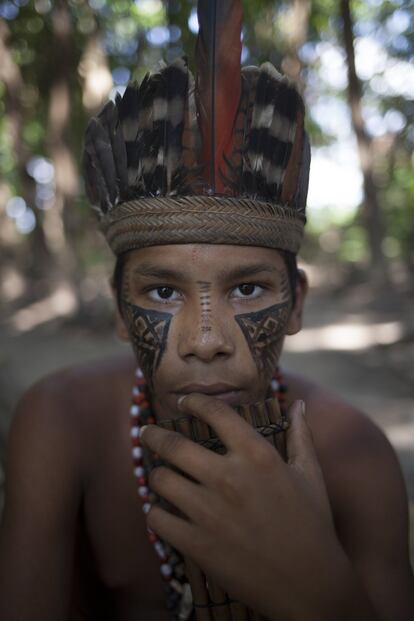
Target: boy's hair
column 288, row 257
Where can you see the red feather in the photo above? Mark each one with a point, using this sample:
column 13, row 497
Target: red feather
column 218, row 82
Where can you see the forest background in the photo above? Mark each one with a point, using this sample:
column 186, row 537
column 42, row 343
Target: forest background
column 61, row 60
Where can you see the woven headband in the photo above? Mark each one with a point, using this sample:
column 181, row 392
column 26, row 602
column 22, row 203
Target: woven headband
column 222, row 159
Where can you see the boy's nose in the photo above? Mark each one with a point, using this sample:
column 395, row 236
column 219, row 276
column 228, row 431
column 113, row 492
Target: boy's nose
column 204, row 338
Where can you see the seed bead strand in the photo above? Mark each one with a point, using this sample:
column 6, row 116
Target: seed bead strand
column 279, row 390
column 140, row 415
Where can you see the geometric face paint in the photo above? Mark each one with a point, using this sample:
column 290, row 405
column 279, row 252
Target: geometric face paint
column 264, row 331
column 205, row 303
column 148, row 330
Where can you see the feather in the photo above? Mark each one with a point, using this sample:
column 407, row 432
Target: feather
column 299, row 200
column 168, row 117
column 191, row 143
column 276, row 113
column 218, row 82
column 99, row 166
column 109, row 119
column 233, row 181
column 135, row 117
column 159, row 126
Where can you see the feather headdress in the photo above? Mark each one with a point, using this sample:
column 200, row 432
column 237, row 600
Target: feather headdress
column 221, row 159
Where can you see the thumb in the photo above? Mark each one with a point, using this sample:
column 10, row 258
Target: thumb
column 302, row 456
column 299, row 442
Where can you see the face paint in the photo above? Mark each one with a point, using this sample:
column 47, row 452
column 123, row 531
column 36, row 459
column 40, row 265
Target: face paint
column 264, row 332
column 148, row 330
column 205, row 304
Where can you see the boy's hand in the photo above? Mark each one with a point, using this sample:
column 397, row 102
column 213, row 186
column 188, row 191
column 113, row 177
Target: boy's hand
column 262, row 527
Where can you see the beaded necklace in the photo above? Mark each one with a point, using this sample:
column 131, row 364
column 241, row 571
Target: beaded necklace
column 171, row 563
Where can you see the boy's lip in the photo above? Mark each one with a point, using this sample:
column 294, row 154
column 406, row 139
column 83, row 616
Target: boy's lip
column 225, row 392
column 208, row 389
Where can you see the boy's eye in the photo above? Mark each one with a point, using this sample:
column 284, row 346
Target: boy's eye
column 163, row 293
column 248, row 290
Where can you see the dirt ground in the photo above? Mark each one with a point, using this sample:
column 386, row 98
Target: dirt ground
column 352, row 342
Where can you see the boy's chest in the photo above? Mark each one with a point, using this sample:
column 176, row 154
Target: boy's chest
column 125, row 561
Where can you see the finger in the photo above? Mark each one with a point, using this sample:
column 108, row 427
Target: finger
column 185, row 495
column 300, row 447
column 196, row 461
column 233, row 431
column 175, row 530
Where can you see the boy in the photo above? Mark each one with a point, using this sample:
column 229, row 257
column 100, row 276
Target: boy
column 205, row 214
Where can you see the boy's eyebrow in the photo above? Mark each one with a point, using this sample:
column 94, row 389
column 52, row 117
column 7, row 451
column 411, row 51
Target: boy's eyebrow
column 247, row 271
column 150, row 270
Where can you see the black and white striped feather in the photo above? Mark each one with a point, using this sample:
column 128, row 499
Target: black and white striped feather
column 271, row 134
column 146, row 144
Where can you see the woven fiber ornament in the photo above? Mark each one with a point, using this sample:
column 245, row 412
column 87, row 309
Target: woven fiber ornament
column 221, row 159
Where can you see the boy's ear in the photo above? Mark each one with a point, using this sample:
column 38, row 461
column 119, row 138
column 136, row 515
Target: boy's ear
column 295, row 318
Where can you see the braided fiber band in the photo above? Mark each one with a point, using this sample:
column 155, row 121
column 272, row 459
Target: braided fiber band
column 202, row 219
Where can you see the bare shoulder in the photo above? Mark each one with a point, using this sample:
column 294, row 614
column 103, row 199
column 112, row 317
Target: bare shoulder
column 339, row 428
column 59, row 414
column 99, row 377
column 352, row 449
column 365, row 487
column 74, row 395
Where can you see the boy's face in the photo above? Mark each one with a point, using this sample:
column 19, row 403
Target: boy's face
column 207, row 318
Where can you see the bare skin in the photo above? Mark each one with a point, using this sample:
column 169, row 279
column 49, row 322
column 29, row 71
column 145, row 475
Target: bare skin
column 72, row 513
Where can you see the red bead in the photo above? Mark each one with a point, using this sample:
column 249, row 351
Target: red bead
column 151, row 420
column 142, row 481
column 152, row 537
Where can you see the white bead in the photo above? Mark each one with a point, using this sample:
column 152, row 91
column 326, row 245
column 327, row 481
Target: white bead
column 134, row 410
column 137, row 452
column 139, row 373
column 135, row 391
column 176, row 586
column 166, row 569
column 143, row 490
column 134, row 433
column 146, row 507
column 159, row 548
column 139, row 471
column 275, row 385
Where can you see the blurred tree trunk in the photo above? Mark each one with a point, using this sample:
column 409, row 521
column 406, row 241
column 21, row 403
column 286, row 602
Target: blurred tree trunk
column 11, row 77
column 63, row 65
column 296, row 29
column 371, row 210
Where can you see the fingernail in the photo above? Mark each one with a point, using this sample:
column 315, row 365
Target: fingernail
column 180, row 401
column 143, row 428
column 302, row 408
